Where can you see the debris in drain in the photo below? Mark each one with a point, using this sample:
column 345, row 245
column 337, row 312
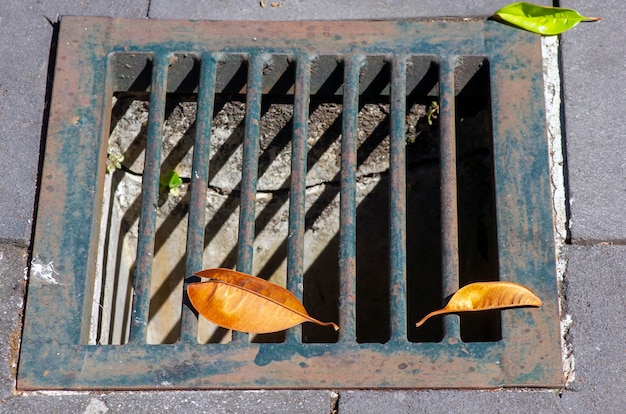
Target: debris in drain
column 241, row 302
column 482, row 296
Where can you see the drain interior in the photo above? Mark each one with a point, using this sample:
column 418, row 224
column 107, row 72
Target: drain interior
column 320, row 286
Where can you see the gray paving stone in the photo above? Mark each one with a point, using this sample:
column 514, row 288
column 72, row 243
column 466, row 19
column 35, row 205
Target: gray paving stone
column 321, row 10
column 188, row 402
column 12, row 286
column 442, row 401
column 594, row 77
column 596, row 299
column 25, row 36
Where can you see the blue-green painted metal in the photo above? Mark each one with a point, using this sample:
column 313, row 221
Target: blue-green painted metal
column 297, row 195
column 149, row 200
column 250, row 169
column 250, row 165
column 449, row 200
column 55, row 354
column 397, row 199
column 199, row 183
column 347, row 213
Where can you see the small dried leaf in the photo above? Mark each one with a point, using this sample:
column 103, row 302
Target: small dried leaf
column 481, row 296
column 241, row 302
column 540, row 19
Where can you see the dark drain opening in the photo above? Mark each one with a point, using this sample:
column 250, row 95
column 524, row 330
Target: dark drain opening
column 478, row 248
column 478, row 254
column 320, row 286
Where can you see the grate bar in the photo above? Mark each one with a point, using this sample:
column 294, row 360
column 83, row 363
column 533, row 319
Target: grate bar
column 297, row 196
column 149, row 200
column 449, row 206
column 347, row 219
column 199, row 183
column 250, row 169
column 397, row 199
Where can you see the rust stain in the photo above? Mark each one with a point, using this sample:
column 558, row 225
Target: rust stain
column 14, row 349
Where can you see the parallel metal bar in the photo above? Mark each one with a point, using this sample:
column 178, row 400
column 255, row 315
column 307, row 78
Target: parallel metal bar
column 297, row 195
column 250, row 168
column 449, row 206
column 199, row 182
column 250, row 165
column 397, row 200
column 149, row 199
column 347, row 219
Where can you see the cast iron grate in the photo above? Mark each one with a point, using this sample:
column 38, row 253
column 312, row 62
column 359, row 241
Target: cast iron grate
column 453, row 69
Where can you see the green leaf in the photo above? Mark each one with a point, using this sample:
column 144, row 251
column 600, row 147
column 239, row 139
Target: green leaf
column 539, row 19
column 171, row 180
column 114, row 162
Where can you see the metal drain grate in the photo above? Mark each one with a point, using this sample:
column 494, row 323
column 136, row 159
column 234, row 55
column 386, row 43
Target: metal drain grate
column 394, row 63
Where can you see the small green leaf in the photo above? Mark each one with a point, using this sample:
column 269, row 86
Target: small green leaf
column 114, row 162
column 171, row 180
column 539, row 19
column 432, row 112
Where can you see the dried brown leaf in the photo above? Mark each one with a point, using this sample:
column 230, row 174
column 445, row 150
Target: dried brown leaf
column 481, row 296
column 241, row 302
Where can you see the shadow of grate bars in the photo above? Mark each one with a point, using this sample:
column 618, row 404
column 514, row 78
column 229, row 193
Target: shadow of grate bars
column 247, row 216
column 525, row 351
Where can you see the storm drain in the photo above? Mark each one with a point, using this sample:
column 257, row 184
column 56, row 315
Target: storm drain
column 372, row 168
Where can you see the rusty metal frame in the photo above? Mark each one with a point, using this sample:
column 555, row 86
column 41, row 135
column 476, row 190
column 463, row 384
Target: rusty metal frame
column 54, row 354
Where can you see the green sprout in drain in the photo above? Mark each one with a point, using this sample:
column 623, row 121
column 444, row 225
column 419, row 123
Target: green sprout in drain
column 114, row 162
column 172, row 181
column 432, row 112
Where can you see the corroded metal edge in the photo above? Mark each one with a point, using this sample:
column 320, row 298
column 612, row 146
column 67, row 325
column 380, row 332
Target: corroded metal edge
column 53, row 356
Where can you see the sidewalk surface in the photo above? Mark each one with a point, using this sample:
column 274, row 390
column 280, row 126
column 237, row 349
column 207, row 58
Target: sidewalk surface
column 593, row 75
